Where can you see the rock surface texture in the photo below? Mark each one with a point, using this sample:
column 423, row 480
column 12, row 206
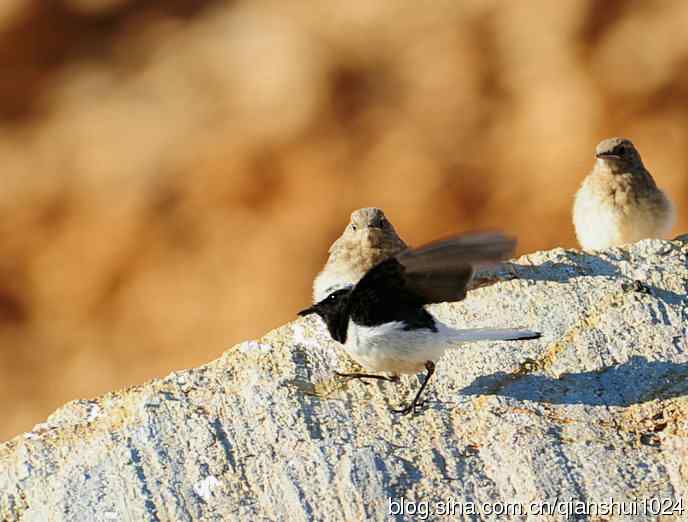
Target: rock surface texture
column 594, row 409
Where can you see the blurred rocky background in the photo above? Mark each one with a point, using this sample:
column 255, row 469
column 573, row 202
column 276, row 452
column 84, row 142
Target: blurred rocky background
column 173, row 171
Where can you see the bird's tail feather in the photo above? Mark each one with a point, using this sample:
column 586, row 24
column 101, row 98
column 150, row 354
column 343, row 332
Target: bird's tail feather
column 494, row 334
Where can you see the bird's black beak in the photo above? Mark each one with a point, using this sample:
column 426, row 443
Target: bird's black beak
column 606, row 155
column 307, row 311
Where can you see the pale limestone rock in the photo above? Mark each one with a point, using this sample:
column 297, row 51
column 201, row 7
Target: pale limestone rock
column 594, row 409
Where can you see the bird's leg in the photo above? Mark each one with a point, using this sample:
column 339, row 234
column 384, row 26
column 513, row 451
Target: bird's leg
column 393, row 378
column 430, row 367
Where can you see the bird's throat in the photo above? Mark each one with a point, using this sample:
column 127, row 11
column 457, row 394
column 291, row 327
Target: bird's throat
column 338, row 325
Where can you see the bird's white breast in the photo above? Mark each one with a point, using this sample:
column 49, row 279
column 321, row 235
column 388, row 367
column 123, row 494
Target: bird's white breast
column 390, row 348
column 611, row 213
column 596, row 219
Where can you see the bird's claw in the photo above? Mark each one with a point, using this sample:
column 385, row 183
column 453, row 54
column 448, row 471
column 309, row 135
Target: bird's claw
column 636, row 286
column 413, row 408
column 641, row 287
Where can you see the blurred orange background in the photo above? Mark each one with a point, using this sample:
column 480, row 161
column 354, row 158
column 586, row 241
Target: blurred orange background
column 173, row 171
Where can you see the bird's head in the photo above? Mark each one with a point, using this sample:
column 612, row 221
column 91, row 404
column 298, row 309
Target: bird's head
column 619, row 155
column 332, row 310
column 370, row 227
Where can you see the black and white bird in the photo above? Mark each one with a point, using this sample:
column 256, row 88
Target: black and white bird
column 382, row 321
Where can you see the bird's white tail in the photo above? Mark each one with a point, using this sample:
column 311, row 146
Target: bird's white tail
column 493, row 334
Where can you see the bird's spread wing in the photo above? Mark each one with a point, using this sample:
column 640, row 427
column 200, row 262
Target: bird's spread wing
column 433, row 273
column 467, row 249
column 440, row 271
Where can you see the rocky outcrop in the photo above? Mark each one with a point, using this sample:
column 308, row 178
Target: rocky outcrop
column 223, row 145
column 594, row 409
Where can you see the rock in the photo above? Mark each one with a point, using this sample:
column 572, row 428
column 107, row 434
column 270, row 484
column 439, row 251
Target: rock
column 595, row 409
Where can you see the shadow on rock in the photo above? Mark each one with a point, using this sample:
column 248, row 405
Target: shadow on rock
column 633, row 382
column 553, row 271
column 587, row 266
column 558, row 272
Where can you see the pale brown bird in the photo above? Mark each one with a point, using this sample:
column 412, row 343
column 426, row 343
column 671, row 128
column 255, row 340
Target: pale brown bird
column 368, row 239
column 619, row 202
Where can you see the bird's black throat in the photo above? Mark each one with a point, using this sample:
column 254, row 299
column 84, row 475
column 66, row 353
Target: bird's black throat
column 380, row 298
column 334, row 311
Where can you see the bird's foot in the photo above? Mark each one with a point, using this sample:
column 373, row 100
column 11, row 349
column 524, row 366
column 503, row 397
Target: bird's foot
column 641, row 287
column 413, row 408
column 636, row 286
column 416, row 402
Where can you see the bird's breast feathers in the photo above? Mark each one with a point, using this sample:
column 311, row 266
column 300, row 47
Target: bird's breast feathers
column 596, row 219
column 611, row 212
column 390, row 347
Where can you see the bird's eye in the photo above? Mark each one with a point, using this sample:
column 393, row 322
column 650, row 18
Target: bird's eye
column 353, row 227
column 621, row 151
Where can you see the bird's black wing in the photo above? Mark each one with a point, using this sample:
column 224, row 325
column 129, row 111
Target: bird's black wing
column 440, row 271
column 395, row 289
